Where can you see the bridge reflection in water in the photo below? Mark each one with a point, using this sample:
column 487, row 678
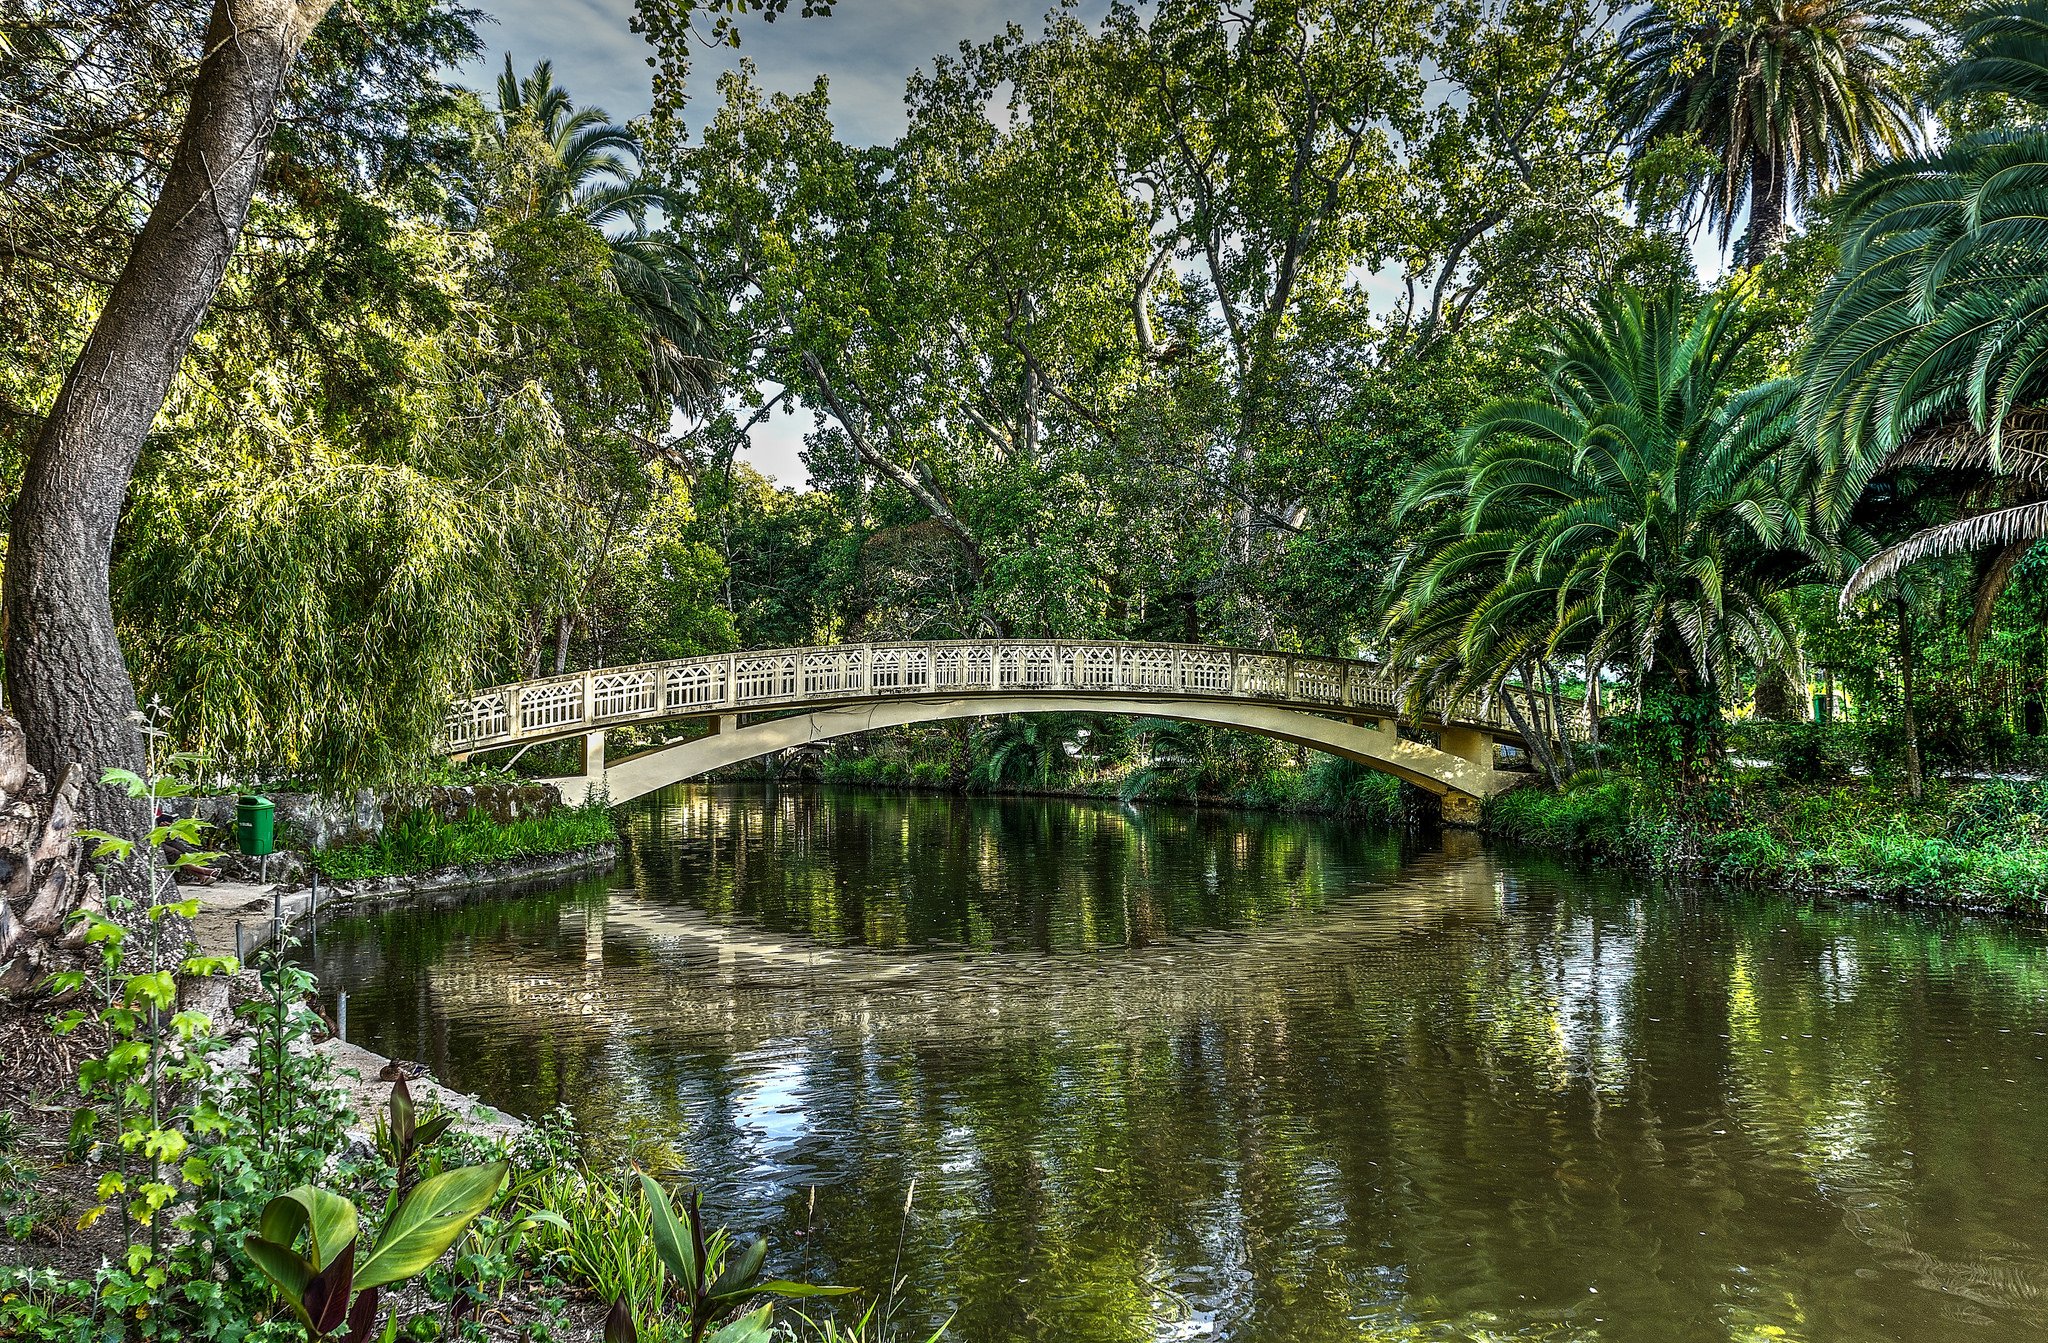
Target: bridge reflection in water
column 1176, row 1074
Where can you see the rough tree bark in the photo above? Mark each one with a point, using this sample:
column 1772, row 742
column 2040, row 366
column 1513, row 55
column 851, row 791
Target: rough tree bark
column 66, row 677
column 43, row 876
column 1766, row 207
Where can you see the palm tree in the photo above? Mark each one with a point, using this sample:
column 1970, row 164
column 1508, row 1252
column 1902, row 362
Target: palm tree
column 590, row 168
column 1026, row 750
column 1791, row 96
column 1633, row 516
column 1928, row 354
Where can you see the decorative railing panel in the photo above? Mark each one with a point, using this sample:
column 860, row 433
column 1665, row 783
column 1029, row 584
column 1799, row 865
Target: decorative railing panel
column 789, row 677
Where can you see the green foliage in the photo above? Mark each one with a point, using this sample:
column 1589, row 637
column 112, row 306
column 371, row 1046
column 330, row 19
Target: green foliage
column 1788, row 99
column 152, row 1051
column 1036, row 750
column 1981, row 844
column 1926, row 347
column 402, row 1136
column 421, row 841
column 332, row 1294
column 1590, row 816
column 1635, row 517
column 668, row 1276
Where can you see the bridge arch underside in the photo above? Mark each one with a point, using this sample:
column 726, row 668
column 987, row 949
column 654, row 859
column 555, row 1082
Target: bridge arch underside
column 1466, row 776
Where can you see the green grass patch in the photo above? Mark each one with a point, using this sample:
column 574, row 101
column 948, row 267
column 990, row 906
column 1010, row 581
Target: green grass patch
column 1981, row 844
column 420, row 841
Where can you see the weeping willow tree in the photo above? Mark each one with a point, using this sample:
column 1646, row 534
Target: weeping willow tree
column 341, row 527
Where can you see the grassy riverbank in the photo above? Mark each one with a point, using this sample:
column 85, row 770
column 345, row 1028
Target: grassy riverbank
column 1976, row 843
column 422, row 841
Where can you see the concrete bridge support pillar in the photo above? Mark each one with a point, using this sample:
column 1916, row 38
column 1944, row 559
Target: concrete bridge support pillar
column 1468, row 743
column 1473, row 745
column 592, row 754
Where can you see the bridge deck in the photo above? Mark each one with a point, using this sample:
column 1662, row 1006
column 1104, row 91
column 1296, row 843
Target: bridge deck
column 823, row 677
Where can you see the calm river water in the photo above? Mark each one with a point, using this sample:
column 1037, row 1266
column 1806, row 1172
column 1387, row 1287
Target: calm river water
column 1166, row 1074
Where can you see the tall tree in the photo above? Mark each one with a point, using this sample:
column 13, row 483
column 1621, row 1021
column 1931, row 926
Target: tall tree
column 566, row 161
column 66, row 676
column 1788, row 96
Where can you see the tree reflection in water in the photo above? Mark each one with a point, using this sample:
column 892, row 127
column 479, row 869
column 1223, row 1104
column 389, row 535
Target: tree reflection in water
column 1170, row 1073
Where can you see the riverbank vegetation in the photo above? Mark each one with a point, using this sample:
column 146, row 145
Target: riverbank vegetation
column 1150, row 759
column 1683, row 364
column 425, row 841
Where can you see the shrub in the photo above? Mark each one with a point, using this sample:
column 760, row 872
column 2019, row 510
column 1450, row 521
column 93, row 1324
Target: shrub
column 1591, row 816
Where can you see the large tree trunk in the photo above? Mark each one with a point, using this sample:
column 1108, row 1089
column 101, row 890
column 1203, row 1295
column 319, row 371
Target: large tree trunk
column 1766, row 207
column 66, row 677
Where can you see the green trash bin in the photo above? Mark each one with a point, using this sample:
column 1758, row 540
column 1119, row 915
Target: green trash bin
column 255, row 825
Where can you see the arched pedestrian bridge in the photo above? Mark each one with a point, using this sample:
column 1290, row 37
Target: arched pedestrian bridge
column 768, row 700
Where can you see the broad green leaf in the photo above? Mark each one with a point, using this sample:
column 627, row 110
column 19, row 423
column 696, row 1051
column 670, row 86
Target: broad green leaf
column 127, row 780
column 428, row 1222
column 753, row 1327
column 108, row 846
column 284, row 1267
column 158, row 989
column 740, row 1270
column 782, row 1287
column 328, row 1219
column 104, row 930
column 191, row 1025
column 671, row 1241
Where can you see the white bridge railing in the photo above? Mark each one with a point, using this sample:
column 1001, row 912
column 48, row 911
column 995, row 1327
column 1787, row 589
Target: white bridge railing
column 775, row 678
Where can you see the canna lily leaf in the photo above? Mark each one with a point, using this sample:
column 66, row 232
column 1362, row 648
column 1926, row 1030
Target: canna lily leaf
column 326, row 1296
column 750, row 1328
column 362, row 1317
column 285, row 1268
column 328, row 1219
column 618, row 1324
column 671, row 1242
column 428, row 1222
column 740, row 1270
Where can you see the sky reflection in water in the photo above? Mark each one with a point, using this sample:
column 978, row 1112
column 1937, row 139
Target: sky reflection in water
column 1170, row 1074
